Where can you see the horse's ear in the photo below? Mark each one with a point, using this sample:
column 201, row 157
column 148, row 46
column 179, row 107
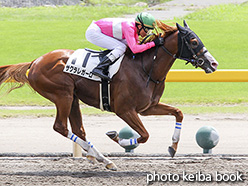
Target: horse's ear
column 181, row 29
column 185, row 24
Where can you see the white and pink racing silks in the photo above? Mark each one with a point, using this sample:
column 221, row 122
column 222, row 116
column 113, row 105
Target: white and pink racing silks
column 120, row 28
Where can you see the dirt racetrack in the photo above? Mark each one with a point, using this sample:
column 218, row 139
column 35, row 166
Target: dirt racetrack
column 36, row 135
column 33, row 136
column 132, row 171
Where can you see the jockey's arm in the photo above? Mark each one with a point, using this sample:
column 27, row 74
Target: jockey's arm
column 131, row 37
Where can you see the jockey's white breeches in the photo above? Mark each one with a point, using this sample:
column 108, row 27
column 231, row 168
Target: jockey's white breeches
column 95, row 36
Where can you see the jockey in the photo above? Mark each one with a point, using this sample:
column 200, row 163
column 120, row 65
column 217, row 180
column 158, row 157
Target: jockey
column 116, row 33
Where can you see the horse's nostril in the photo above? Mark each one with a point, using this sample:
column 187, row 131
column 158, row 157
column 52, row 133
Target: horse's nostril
column 215, row 65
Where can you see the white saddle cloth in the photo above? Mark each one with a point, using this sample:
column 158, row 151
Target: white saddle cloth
column 82, row 62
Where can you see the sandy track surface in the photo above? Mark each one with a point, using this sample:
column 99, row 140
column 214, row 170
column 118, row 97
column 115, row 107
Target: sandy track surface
column 131, row 171
column 36, row 135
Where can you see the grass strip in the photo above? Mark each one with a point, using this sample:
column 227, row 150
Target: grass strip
column 86, row 110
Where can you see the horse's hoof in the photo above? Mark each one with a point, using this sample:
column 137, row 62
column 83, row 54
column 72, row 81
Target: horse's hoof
column 112, row 135
column 111, row 166
column 172, row 151
column 91, row 159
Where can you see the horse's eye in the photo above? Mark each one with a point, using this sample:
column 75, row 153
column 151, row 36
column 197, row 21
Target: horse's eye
column 194, row 43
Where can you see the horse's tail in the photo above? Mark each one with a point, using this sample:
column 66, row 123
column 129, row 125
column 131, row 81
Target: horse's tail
column 14, row 75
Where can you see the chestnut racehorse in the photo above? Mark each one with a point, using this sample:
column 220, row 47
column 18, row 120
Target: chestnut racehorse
column 135, row 89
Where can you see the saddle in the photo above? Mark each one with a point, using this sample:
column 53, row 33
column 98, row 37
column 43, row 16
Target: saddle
column 83, row 61
column 99, row 54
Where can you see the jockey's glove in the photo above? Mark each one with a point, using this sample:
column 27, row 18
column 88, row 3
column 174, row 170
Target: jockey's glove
column 159, row 41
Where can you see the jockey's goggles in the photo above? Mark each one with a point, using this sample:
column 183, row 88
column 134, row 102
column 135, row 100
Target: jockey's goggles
column 146, row 29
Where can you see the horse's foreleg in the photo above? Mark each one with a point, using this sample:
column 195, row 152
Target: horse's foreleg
column 133, row 120
column 162, row 109
column 78, row 135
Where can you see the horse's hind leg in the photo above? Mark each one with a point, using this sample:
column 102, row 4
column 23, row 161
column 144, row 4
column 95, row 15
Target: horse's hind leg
column 75, row 118
column 78, row 135
column 63, row 106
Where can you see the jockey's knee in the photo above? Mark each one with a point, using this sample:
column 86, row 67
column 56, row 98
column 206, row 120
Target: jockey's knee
column 119, row 50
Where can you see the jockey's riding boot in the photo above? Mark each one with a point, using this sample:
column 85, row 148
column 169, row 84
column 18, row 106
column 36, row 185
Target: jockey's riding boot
column 101, row 67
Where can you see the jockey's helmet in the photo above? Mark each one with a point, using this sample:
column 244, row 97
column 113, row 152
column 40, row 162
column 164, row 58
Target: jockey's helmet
column 145, row 19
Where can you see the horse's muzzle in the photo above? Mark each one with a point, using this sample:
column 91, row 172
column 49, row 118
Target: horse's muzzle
column 210, row 64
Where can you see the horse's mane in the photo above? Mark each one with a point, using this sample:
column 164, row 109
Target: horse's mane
column 164, row 29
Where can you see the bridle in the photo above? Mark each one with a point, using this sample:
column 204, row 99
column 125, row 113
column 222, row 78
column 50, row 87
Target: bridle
column 197, row 61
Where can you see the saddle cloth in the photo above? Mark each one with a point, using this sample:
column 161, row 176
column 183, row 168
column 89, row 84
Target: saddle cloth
column 83, row 61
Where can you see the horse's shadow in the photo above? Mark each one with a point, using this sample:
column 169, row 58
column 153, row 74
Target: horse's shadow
column 83, row 174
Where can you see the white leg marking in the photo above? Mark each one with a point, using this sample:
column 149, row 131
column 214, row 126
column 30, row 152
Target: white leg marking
column 177, row 131
column 89, row 148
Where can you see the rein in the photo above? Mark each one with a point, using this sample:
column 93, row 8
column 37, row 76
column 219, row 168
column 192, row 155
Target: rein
column 149, row 74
